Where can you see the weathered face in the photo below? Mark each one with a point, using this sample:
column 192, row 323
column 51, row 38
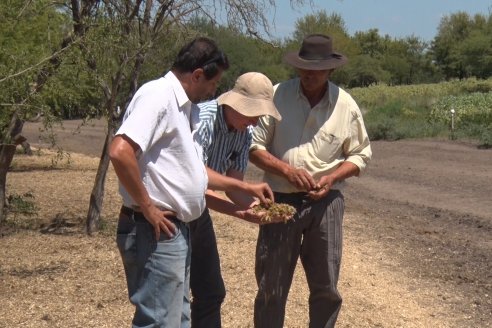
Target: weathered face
column 204, row 89
column 313, row 80
column 238, row 121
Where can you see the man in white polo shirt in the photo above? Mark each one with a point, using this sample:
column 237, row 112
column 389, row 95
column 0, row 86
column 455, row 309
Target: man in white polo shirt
column 163, row 181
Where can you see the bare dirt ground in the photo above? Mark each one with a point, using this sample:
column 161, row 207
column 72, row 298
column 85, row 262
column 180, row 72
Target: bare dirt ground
column 417, row 243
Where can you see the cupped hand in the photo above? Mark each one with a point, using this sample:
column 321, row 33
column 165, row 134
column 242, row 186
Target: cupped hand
column 267, row 216
column 322, row 187
column 251, row 216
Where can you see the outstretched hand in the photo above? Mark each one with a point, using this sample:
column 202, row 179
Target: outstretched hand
column 265, row 214
column 260, row 217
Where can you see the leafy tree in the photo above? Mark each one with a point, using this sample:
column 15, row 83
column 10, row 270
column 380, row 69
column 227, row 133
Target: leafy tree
column 476, row 53
column 114, row 39
column 370, row 43
column 459, row 37
column 245, row 53
column 402, row 61
column 320, row 22
column 407, row 62
column 29, row 31
column 398, row 69
column 364, row 71
column 27, row 36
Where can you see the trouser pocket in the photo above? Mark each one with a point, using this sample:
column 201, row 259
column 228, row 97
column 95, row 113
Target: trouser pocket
column 127, row 245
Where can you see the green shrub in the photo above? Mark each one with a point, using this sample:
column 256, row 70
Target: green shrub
column 398, row 121
column 417, row 111
column 472, row 116
column 22, row 204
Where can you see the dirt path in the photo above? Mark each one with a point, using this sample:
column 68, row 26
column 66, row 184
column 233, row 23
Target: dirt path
column 418, row 240
column 417, row 247
column 426, row 206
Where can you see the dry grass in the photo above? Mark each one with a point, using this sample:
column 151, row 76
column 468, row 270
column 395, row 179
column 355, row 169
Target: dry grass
column 67, row 279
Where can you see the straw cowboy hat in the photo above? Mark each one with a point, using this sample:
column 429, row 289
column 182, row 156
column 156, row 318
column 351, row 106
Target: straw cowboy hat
column 251, row 96
column 316, row 54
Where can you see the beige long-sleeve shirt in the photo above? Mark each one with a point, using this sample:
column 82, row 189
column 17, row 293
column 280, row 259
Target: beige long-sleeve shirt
column 317, row 139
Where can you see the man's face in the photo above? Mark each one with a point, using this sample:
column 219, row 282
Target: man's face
column 204, row 89
column 237, row 121
column 313, row 80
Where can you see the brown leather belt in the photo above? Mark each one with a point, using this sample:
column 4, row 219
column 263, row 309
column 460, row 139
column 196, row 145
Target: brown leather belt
column 136, row 213
column 131, row 213
column 126, row 210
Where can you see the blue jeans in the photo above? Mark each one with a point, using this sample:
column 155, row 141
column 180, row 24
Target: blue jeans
column 157, row 272
column 207, row 285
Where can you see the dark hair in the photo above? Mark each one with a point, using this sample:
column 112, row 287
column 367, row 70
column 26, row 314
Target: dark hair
column 201, row 53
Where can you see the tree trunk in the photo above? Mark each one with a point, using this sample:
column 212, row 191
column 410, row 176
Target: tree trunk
column 27, row 148
column 7, row 152
column 97, row 194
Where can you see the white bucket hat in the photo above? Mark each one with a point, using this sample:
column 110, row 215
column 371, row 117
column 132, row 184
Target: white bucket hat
column 251, row 96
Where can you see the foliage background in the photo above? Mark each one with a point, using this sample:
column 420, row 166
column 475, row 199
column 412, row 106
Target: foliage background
column 381, row 69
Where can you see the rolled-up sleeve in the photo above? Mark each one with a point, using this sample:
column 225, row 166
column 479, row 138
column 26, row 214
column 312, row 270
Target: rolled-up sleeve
column 263, row 133
column 357, row 148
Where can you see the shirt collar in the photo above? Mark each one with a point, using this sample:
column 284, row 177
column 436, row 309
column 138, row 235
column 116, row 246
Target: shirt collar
column 181, row 96
column 328, row 97
column 221, row 119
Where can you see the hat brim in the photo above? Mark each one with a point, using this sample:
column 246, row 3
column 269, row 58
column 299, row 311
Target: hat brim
column 336, row 60
column 250, row 107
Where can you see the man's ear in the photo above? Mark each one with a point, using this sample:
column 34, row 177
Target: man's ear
column 195, row 76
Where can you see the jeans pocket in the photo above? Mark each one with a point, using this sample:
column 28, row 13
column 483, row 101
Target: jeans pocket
column 127, row 245
column 126, row 239
column 126, row 235
column 164, row 238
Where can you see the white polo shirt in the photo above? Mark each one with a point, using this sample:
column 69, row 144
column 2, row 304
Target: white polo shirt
column 170, row 162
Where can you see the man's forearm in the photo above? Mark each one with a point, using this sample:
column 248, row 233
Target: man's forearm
column 219, row 204
column 217, row 181
column 267, row 162
column 345, row 171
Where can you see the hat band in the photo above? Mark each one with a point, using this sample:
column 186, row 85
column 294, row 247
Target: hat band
column 317, row 57
column 312, row 57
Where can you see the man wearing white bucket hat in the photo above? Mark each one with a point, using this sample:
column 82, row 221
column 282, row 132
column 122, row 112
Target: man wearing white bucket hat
column 320, row 142
column 224, row 133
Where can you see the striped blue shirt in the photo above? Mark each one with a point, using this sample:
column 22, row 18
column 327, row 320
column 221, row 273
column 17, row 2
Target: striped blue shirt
column 222, row 149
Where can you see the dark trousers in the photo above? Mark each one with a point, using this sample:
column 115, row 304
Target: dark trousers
column 207, row 286
column 314, row 235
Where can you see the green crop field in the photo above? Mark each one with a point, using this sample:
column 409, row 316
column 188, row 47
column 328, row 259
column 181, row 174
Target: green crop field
column 419, row 111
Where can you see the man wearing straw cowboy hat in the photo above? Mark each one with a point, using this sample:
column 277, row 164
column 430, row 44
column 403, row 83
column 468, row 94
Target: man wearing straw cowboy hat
column 225, row 136
column 320, row 142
